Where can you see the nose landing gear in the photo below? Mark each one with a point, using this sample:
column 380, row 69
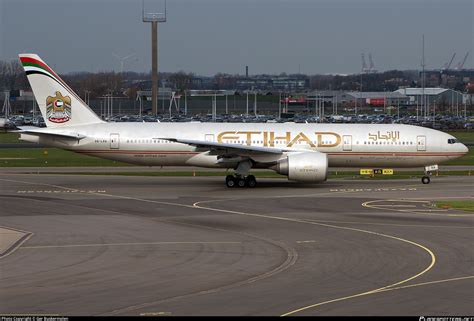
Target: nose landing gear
column 428, row 172
column 425, row 179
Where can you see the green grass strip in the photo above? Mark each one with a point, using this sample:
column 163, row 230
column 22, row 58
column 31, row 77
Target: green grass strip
column 464, row 205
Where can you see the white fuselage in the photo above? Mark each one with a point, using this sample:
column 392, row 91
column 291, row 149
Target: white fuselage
column 347, row 145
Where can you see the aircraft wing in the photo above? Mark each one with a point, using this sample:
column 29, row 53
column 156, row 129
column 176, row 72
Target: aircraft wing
column 229, row 149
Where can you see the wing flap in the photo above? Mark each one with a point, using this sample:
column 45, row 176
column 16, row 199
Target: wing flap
column 228, row 149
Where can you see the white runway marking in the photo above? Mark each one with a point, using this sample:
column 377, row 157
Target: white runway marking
column 381, row 189
column 59, row 191
column 422, row 207
column 120, row 244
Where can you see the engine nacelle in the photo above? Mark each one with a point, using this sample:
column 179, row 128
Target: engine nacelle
column 304, row 167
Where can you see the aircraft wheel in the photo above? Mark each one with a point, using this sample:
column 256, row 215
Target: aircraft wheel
column 230, row 181
column 251, row 181
column 240, row 182
column 425, row 179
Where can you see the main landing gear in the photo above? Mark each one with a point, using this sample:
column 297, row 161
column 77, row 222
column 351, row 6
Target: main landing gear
column 240, row 181
column 241, row 177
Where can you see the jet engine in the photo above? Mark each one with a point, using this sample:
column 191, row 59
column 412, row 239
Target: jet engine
column 311, row 167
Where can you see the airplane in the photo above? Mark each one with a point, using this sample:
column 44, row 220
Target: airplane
column 302, row 152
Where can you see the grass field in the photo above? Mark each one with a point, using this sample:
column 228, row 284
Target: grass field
column 10, row 138
column 464, row 136
column 467, row 205
column 49, row 157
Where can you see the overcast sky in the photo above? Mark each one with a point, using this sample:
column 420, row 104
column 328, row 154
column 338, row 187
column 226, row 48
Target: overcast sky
column 210, row 36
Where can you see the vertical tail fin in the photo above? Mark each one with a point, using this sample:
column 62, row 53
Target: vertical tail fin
column 58, row 103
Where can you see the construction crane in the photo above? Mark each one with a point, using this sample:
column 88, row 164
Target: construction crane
column 448, row 65
column 372, row 66
column 460, row 65
column 364, row 64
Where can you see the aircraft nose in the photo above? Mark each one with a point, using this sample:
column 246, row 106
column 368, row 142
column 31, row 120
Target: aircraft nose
column 464, row 149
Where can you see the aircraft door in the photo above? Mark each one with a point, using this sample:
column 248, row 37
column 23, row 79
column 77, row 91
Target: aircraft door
column 209, row 138
column 421, row 143
column 114, row 141
column 347, row 142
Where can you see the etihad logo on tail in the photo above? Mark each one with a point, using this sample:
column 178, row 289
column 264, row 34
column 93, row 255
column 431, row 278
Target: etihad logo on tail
column 58, row 108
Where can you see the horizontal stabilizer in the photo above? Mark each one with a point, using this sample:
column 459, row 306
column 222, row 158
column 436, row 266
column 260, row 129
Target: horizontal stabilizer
column 42, row 132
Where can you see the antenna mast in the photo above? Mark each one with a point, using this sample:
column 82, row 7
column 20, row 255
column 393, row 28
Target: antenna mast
column 423, row 102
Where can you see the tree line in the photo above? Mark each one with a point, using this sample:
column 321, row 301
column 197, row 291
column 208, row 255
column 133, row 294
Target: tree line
column 12, row 76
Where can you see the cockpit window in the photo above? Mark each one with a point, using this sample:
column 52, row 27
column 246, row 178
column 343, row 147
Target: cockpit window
column 453, row 141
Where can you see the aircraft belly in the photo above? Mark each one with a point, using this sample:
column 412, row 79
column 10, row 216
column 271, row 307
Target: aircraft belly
column 383, row 161
column 151, row 159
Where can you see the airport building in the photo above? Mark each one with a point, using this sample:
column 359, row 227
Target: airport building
column 351, row 98
column 328, row 96
column 21, row 95
column 375, row 98
column 273, row 83
column 439, row 96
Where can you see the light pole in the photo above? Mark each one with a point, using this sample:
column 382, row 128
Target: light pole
column 214, row 107
column 6, row 104
column 361, row 88
column 34, row 108
column 185, row 102
column 355, row 104
column 423, row 99
column 154, row 18
column 141, row 104
column 87, row 94
column 247, row 108
column 255, row 104
column 279, row 106
column 226, row 104
column 398, row 109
